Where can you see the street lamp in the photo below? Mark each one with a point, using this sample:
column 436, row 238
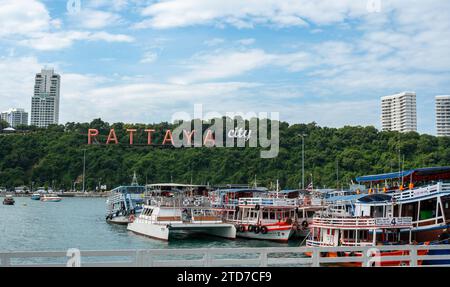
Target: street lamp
column 84, row 170
column 303, row 159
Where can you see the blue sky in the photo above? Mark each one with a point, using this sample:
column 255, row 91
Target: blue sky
column 141, row 61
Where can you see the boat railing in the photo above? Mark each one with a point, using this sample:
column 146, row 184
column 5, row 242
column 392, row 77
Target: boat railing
column 178, row 201
column 359, row 222
column 269, row 201
column 422, row 191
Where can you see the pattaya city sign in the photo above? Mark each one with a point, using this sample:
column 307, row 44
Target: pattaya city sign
column 226, row 131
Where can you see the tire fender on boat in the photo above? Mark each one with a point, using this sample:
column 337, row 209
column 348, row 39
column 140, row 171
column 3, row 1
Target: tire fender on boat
column 264, row 229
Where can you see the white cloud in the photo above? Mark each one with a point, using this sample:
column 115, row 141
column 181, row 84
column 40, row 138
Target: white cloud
column 95, row 19
column 28, row 23
column 246, row 42
column 22, row 17
column 223, row 65
column 246, row 14
column 214, row 42
column 61, row 40
column 149, row 57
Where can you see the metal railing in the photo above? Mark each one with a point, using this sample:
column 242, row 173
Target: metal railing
column 262, row 201
column 422, row 191
column 408, row 255
column 381, row 222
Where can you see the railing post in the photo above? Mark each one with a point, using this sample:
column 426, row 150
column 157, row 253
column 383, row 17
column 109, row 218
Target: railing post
column 263, row 261
column 366, row 257
column 315, row 257
column 5, row 261
column 207, row 259
column 413, row 256
column 139, row 260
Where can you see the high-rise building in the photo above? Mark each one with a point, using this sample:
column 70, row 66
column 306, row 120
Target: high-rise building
column 398, row 112
column 15, row 117
column 45, row 101
column 443, row 115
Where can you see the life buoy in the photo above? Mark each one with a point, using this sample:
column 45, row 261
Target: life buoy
column 241, row 228
column 305, row 224
column 186, row 202
column 250, row 228
column 197, row 203
column 257, row 207
column 256, row 229
column 264, row 229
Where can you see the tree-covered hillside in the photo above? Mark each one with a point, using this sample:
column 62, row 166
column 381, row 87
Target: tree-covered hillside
column 54, row 157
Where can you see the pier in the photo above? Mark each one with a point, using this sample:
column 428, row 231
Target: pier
column 228, row 257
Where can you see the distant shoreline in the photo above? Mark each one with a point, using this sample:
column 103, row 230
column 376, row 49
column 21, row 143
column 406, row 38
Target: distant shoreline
column 64, row 194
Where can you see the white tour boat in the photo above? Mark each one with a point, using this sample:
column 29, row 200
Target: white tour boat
column 177, row 208
column 50, row 198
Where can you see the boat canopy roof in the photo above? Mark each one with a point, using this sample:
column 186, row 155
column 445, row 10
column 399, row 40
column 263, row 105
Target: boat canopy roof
column 236, row 190
column 129, row 189
column 352, row 198
column 380, row 197
column 428, row 173
column 286, row 191
column 173, row 185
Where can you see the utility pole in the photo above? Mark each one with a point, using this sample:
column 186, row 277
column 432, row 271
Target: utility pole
column 337, row 173
column 303, row 159
column 84, row 170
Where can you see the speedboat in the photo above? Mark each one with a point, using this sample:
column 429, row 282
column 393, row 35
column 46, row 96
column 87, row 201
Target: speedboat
column 9, row 200
column 36, row 196
column 50, row 198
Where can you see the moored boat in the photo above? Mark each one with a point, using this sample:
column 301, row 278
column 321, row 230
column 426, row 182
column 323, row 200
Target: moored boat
column 8, row 200
column 272, row 219
column 178, row 208
column 329, row 229
column 36, row 196
column 50, row 198
column 425, row 199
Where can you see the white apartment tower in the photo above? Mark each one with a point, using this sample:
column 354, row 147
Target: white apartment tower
column 443, row 115
column 15, row 117
column 398, row 112
column 45, row 101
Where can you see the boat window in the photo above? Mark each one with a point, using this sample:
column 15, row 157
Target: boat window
column 265, row 215
column 427, row 209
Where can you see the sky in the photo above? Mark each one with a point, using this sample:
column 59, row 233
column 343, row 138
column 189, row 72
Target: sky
column 141, row 61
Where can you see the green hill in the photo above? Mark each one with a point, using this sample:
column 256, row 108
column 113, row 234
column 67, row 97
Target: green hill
column 54, row 157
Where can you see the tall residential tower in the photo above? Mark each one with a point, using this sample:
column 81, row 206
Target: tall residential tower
column 443, row 115
column 398, row 112
column 45, row 102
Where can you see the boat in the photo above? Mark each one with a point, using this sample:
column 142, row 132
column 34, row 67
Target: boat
column 125, row 202
column 331, row 229
column 50, row 198
column 264, row 218
column 36, row 196
column 179, row 208
column 8, row 200
column 425, row 199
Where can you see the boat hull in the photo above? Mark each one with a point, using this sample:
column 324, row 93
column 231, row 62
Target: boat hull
column 274, row 233
column 51, row 199
column 164, row 231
